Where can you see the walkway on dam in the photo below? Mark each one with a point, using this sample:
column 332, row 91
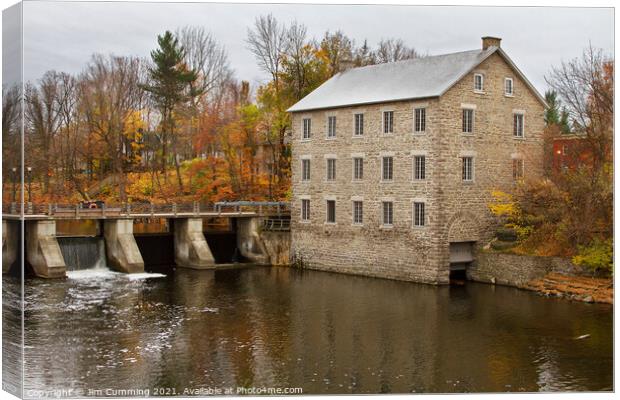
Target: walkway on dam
column 146, row 210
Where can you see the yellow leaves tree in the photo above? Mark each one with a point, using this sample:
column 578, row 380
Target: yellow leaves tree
column 133, row 131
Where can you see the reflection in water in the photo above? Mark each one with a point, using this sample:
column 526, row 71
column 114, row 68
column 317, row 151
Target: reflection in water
column 326, row 333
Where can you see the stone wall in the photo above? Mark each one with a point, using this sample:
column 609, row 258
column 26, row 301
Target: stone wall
column 455, row 210
column 277, row 246
column 517, row 270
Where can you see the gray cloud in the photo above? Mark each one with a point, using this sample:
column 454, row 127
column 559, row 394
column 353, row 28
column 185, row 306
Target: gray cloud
column 63, row 36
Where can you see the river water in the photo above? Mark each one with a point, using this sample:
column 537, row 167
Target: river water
column 185, row 332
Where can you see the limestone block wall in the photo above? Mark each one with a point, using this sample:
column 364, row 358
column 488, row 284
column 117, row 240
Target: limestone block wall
column 455, row 210
column 492, row 144
column 278, row 247
column 517, row 270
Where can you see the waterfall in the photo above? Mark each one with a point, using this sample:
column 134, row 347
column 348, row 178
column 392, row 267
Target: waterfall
column 81, row 253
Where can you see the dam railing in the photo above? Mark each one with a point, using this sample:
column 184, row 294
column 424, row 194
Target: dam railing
column 145, row 210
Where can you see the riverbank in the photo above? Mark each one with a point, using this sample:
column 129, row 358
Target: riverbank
column 549, row 276
column 579, row 288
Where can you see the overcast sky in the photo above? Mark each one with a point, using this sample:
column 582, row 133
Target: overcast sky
column 62, row 36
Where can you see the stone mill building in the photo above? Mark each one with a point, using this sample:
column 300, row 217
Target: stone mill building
column 394, row 164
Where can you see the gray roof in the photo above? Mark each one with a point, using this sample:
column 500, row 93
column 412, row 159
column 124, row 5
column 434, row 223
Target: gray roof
column 403, row 80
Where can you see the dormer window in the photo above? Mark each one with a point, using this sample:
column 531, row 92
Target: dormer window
column 478, row 83
column 508, row 87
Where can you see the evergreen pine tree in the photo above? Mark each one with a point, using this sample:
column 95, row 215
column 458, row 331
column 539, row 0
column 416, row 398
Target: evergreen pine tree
column 170, row 88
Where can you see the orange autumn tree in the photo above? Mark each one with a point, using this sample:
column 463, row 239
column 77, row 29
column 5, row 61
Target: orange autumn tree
column 231, row 159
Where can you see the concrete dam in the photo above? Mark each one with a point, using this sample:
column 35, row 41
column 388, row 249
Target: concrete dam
column 129, row 238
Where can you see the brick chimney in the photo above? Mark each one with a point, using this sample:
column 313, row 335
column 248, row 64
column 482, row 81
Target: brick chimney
column 490, row 41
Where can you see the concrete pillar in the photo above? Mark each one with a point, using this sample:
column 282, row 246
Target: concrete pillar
column 42, row 250
column 249, row 242
column 121, row 247
column 10, row 243
column 190, row 246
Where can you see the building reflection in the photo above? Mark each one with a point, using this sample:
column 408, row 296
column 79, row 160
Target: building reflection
column 326, row 333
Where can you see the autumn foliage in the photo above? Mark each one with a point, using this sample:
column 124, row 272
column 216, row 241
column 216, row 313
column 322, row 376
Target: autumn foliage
column 570, row 211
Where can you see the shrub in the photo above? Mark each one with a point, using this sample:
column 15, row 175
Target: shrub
column 506, row 234
column 501, row 245
column 598, row 255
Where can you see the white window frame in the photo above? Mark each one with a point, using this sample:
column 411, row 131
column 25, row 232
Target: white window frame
column 306, row 134
column 303, row 170
column 415, row 165
column 383, row 113
column 353, row 162
column 355, row 134
column 515, row 132
column 354, row 210
column 327, row 169
column 415, row 214
column 390, row 213
column 512, row 87
column 471, row 168
column 302, row 217
column 481, row 89
column 422, row 110
column 331, row 129
column 473, row 120
column 383, row 157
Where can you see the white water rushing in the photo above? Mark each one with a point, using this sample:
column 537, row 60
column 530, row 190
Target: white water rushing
column 86, row 260
column 103, row 273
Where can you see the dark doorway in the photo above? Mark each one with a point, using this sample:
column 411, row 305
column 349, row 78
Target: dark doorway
column 461, row 257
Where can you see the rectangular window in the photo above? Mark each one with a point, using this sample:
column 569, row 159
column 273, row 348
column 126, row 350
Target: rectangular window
column 419, row 167
column 388, row 122
column 517, row 169
column 359, row 124
column 305, row 170
column 388, row 213
column 518, row 125
column 468, row 120
column 358, row 212
column 387, row 168
column 564, row 149
column 508, row 90
column 358, row 168
column 331, row 211
column 478, row 82
column 305, row 210
column 420, row 120
column 419, row 217
column 307, row 128
column 331, row 169
column 468, row 168
column 331, row 127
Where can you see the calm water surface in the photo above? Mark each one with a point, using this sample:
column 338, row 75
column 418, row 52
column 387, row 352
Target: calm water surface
column 323, row 332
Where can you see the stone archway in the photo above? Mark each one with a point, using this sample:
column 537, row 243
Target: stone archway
column 463, row 227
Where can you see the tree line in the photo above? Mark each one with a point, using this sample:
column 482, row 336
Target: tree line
column 177, row 126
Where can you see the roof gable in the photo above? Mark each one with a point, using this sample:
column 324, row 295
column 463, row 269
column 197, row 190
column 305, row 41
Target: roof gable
column 403, row 80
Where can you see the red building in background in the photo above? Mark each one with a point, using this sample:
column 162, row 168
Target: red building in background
column 570, row 151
